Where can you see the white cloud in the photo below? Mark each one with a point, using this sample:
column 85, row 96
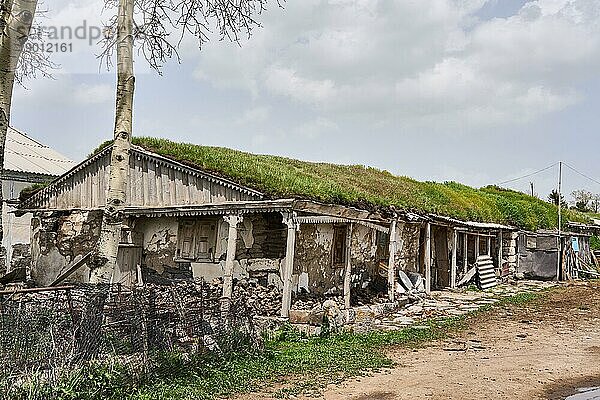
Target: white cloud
column 93, row 94
column 315, row 128
column 254, row 115
column 415, row 64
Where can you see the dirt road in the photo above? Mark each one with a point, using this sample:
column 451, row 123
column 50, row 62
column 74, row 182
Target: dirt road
column 538, row 351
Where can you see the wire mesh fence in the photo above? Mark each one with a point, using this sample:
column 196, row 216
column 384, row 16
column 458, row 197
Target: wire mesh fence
column 51, row 340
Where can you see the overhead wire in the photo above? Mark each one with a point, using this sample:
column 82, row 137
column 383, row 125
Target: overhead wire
column 528, row 175
column 581, row 173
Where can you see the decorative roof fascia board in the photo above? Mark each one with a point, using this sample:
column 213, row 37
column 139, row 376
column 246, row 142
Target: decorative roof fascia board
column 140, row 152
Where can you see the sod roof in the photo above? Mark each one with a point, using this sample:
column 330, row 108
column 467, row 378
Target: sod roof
column 363, row 186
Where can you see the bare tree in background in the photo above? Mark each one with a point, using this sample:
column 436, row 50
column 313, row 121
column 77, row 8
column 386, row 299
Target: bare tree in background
column 156, row 28
column 16, row 61
column 582, row 198
column 595, row 203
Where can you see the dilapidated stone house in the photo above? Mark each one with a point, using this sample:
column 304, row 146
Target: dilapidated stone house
column 186, row 221
column 26, row 162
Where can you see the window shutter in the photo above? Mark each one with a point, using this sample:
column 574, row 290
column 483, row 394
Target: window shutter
column 187, row 240
column 205, row 240
column 339, row 245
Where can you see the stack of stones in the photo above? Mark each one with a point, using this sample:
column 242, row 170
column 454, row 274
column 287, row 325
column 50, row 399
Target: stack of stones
column 262, row 300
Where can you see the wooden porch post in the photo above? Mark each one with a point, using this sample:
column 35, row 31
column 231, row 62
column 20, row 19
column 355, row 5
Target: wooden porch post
column 428, row 258
column 288, row 268
column 454, row 261
column 476, row 246
column 392, row 261
column 466, row 254
column 348, row 269
column 489, row 246
column 500, row 251
column 233, row 221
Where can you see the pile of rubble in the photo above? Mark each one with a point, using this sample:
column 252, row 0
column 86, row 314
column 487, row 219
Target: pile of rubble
column 449, row 303
column 262, row 300
column 408, row 309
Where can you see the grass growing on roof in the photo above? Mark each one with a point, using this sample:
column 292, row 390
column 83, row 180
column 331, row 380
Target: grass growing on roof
column 363, row 186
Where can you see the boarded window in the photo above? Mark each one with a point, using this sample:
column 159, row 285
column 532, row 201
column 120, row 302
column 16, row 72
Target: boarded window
column 383, row 246
column 547, row 243
column 531, row 242
column 339, row 245
column 197, row 240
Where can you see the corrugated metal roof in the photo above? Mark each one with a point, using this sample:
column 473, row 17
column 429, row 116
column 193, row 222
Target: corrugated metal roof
column 24, row 154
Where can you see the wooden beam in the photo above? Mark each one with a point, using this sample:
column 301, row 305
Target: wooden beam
column 392, row 261
column 71, row 268
column 428, row 258
column 348, row 269
column 288, row 268
column 489, row 246
column 454, row 261
column 476, row 247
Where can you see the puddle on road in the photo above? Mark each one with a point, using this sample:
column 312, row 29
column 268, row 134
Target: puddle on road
column 589, row 393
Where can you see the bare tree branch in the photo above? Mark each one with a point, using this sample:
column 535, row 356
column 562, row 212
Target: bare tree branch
column 161, row 25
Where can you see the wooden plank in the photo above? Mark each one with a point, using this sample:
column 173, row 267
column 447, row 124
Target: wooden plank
column 136, row 182
column 348, row 267
column 192, row 188
column 288, row 266
column 179, row 195
column 470, row 274
column 144, row 167
column 500, row 250
column 454, row 261
column 152, row 196
column 71, row 268
column 466, row 253
column 428, row 258
column 392, row 261
column 172, row 187
column 185, row 191
column 160, row 191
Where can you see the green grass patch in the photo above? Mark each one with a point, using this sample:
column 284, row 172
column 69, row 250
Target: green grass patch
column 359, row 185
column 308, row 363
column 521, row 298
column 594, row 242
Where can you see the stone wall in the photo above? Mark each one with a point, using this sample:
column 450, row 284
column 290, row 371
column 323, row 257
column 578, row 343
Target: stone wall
column 260, row 250
column 509, row 250
column 57, row 238
column 407, row 255
column 313, row 270
column 159, row 245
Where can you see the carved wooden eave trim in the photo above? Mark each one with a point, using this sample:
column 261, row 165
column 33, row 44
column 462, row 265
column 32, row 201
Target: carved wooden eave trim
column 335, row 210
column 324, row 219
column 230, row 207
column 468, row 225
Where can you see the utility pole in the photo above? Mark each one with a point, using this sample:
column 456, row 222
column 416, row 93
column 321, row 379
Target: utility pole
column 558, row 263
column 532, row 192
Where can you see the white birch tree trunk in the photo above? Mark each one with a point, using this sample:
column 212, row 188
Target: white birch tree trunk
column 16, row 17
column 106, row 255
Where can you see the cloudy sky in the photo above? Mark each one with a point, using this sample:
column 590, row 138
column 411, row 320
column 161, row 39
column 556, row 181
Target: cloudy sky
column 477, row 91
